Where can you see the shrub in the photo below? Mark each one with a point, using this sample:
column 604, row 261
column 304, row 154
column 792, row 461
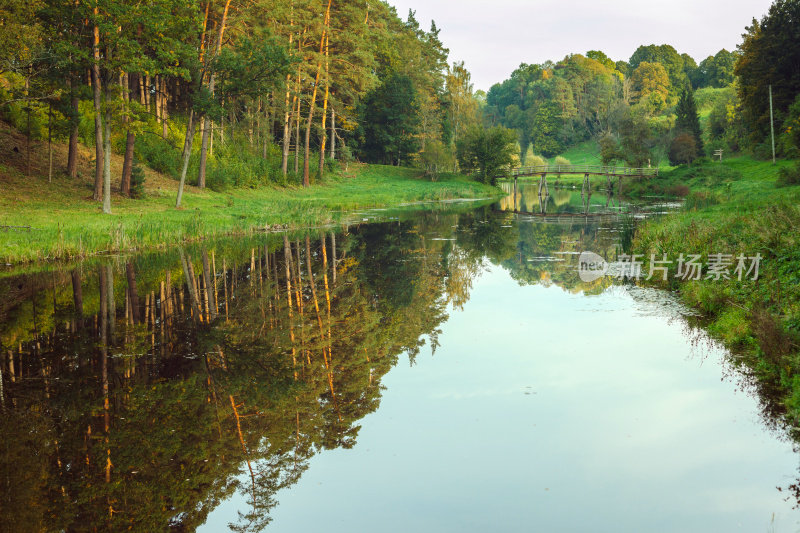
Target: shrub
column 562, row 161
column 683, row 149
column 435, row 159
column 137, row 180
column 487, row 153
column 331, row 165
column 788, row 176
column 609, row 149
column 159, row 155
column 535, row 161
column 680, row 190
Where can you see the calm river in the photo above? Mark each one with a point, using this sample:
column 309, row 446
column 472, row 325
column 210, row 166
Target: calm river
column 438, row 370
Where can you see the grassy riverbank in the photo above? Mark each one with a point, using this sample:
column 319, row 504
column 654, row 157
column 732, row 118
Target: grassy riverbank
column 65, row 223
column 736, row 207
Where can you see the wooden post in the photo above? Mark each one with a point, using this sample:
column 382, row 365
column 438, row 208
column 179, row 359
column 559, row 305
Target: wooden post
column 515, row 193
column 771, row 124
column 583, row 185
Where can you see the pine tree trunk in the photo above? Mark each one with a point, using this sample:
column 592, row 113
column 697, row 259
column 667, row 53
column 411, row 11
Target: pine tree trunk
column 201, row 177
column 313, row 102
column 201, row 174
column 287, row 133
column 98, row 115
column 72, row 157
column 187, row 152
column 323, row 132
column 312, row 105
column 297, row 136
column 130, row 141
column 157, row 96
column 147, row 92
column 50, row 143
column 107, row 164
column 164, row 108
column 333, row 133
column 286, row 116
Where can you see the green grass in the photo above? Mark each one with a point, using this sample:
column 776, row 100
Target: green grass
column 707, row 97
column 735, row 208
column 585, row 153
column 66, row 223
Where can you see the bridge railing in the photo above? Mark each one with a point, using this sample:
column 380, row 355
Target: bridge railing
column 583, row 169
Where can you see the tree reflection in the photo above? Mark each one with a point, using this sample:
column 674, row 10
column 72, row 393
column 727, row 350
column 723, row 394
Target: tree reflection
column 150, row 390
column 140, row 393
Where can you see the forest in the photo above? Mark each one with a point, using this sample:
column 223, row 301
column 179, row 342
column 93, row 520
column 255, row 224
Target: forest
column 647, row 111
column 231, row 93
column 245, row 93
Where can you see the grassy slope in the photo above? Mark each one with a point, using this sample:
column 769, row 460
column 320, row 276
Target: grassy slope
column 585, row 153
column 733, row 208
column 66, row 223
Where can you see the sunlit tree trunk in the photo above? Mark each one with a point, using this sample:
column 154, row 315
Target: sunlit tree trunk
column 201, row 178
column 323, row 133
column 130, row 141
column 107, row 162
column 98, row 112
column 313, row 101
column 287, row 114
column 333, row 133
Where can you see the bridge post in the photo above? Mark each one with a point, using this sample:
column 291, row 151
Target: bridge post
column 515, row 193
column 543, row 184
column 588, row 185
column 609, row 192
column 619, row 186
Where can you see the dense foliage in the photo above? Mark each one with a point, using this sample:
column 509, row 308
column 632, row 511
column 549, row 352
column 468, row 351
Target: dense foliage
column 270, row 88
column 636, row 109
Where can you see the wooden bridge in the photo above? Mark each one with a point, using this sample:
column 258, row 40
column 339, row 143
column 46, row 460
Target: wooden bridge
column 586, row 170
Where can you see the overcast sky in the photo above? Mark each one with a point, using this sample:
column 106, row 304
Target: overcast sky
column 494, row 36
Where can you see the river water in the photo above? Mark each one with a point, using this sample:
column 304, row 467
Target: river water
column 439, row 369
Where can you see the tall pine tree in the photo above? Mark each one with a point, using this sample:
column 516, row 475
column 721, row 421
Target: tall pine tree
column 687, row 120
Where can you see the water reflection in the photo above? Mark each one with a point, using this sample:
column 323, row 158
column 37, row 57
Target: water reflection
column 136, row 389
column 559, row 200
column 141, row 392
